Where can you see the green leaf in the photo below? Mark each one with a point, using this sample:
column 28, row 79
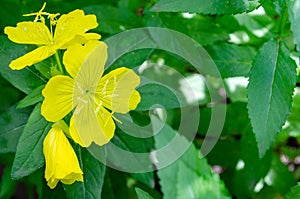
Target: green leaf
column 280, row 177
column 236, row 89
column 7, row 185
column 10, row 11
column 133, row 5
column 206, row 6
column 293, row 10
column 56, row 193
column 115, row 180
column 32, row 98
column 252, row 23
column 26, row 79
column 131, row 145
column 29, row 155
column 137, row 145
column 294, row 193
column 45, row 67
column 155, row 93
column 113, row 20
column 9, row 95
column 12, row 123
column 142, row 194
column 271, row 83
column 190, row 173
column 131, row 60
column 232, row 60
column 294, row 16
column 198, row 27
column 93, row 174
column 237, row 110
column 244, row 179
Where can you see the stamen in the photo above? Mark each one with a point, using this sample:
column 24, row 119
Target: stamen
column 116, row 119
column 78, row 110
column 53, row 20
column 98, row 107
column 39, row 14
column 115, row 80
column 111, row 115
column 104, row 87
column 82, row 100
column 81, row 90
column 111, row 96
column 43, row 7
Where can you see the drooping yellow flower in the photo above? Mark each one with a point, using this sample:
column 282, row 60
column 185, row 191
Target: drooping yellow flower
column 69, row 29
column 89, row 94
column 60, row 159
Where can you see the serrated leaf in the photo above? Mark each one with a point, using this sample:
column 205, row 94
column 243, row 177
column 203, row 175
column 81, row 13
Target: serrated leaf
column 293, row 10
column 294, row 193
column 93, row 174
column 190, row 173
column 32, row 98
column 25, row 80
column 12, row 123
column 29, row 155
column 142, row 194
column 232, row 60
column 206, row 6
column 271, row 83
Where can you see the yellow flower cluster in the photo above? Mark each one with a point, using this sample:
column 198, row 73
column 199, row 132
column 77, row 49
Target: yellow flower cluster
column 83, row 90
column 70, row 28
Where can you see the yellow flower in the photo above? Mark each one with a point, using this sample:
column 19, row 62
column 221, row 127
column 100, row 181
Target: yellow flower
column 89, row 94
column 69, row 29
column 61, row 160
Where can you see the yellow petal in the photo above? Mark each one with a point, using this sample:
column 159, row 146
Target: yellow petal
column 91, row 36
column 134, row 100
column 88, row 125
column 82, row 39
column 76, row 54
column 61, row 161
column 72, row 24
column 58, row 95
column 32, row 57
column 29, row 33
column 91, row 69
column 117, row 90
column 52, row 182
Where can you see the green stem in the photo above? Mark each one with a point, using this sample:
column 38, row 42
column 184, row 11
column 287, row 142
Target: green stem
column 283, row 20
column 60, row 67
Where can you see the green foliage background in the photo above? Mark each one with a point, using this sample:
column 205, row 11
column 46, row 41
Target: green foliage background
column 257, row 155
